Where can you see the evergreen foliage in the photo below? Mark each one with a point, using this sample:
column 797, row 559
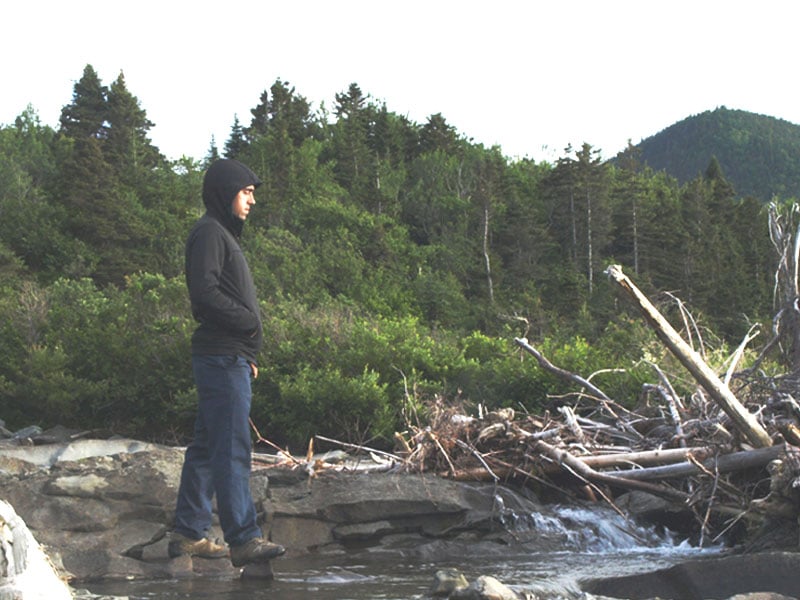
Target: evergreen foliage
column 759, row 154
column 395, row 261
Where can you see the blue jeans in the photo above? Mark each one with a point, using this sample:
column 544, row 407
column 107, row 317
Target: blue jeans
column 218, row 459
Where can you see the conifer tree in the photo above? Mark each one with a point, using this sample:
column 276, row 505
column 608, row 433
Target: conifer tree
column 593, row 181
column 87, row 114
column 628, row 194
column 559, row 189
column 281, row 125
column 438, row 134
column 101, row 215
column 282, row 110
column 237, row 142
column 127, row 147
column 355, row 165
column 212, row 154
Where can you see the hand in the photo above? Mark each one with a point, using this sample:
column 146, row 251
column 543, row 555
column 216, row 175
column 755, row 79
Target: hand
column 254, row 370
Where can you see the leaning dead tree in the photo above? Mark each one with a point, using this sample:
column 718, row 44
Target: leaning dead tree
column 705, row 376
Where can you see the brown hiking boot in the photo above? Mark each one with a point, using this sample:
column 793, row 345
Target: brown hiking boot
column 204, row 548
column 254, row 551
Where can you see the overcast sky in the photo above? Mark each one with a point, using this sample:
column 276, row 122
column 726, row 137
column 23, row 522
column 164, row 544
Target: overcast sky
column 528, row 76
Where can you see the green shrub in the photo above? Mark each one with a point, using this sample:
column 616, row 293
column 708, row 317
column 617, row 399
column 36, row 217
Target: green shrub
column 326, row 402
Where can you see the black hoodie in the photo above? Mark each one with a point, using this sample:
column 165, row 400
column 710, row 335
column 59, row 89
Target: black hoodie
column 220, row 284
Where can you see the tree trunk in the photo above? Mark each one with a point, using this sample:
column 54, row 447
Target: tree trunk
column 487, row 263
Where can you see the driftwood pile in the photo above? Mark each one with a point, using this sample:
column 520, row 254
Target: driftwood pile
column 725, row 459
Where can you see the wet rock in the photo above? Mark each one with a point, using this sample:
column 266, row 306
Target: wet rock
column 485, row 588
column 27, row 432
column 102, row 509
column 447, row 581
column 258, row 571
column 647, row 508
column 761, row 596
column 709, row 578
column 91, row 502
column 390, row 511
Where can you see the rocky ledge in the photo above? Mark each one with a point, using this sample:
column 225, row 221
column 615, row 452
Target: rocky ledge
column 101, row 508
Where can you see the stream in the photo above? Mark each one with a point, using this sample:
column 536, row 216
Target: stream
column 589, row 543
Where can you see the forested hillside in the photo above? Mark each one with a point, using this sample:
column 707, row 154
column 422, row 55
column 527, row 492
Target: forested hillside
column 760, row 155
column 396, row 261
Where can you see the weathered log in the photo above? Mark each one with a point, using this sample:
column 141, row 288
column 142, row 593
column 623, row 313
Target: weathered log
column 644, row 458
column 726, row 463
column 747, row 424
column 582, row 470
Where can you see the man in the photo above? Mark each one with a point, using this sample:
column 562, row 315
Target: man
column 225, row 346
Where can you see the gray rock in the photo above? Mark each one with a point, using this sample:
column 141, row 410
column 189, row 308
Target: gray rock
column 485, row 588
column 719, row 577
column 447, row 581
column 27, row 432
column 761, row 596
column 102, row 508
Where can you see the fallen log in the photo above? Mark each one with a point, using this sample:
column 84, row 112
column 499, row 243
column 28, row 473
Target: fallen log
column 577, row 467
column 745, row 422
column 726, row 463
column 645, row 458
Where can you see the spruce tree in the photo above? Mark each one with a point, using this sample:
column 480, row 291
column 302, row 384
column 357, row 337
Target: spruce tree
column 101, row 214
column 127, row 147
column 438, row 134
column 87, row 114
column 237, row 142
column 355, row 166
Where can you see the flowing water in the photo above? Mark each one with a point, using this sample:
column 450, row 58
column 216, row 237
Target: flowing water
column 588, row 544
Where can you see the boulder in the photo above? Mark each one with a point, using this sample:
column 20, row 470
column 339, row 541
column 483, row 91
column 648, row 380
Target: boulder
column 485, row 587
column 447, row 581
column 101, row 508
column 761, row 575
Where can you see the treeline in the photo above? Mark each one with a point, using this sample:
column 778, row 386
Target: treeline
column 396, row 261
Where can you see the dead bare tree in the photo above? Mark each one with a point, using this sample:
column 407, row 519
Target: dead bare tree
column 784, row 231
column 703, row 374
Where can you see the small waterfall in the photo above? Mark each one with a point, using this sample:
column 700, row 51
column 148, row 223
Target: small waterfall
column 592, row 529
column 602, row 530
column 568, row 544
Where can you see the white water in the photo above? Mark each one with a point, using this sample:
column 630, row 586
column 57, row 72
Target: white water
column 578, row 544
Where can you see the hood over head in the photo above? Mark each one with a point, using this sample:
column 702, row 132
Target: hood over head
column 222, row 181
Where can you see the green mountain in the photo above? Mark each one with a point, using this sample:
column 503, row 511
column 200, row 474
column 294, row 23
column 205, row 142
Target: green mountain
column 759, row 155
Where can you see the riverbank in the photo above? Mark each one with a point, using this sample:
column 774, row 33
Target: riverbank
column 100, row 508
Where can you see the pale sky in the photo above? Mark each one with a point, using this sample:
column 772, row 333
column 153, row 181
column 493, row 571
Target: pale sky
column 530, row 76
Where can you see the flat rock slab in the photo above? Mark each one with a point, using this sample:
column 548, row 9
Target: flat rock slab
column 709, row 579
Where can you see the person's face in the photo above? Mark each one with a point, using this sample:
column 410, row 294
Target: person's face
column 243, row 201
